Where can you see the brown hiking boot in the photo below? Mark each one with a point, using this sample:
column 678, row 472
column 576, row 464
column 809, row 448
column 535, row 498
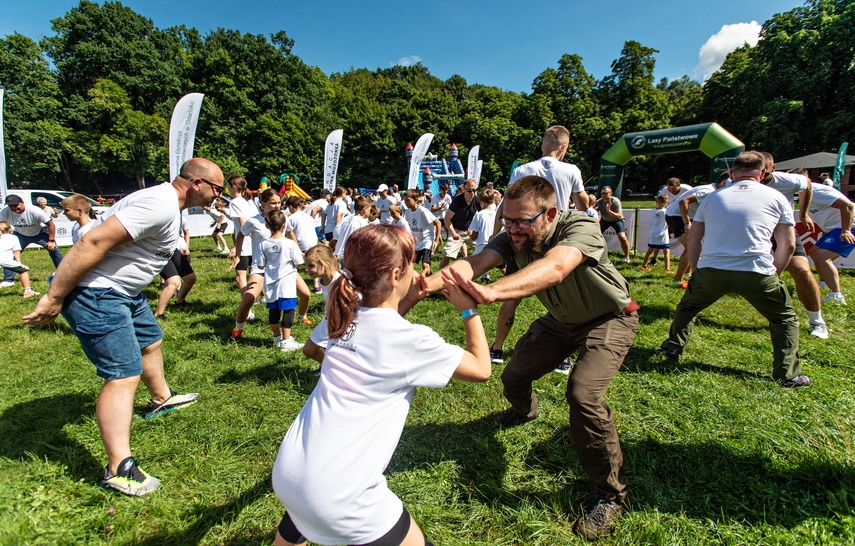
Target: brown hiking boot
column 599, row 519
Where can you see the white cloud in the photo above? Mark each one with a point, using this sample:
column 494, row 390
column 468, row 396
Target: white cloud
column 408, row 61
column 729, row 38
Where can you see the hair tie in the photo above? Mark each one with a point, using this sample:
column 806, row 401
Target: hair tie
column 346, row 273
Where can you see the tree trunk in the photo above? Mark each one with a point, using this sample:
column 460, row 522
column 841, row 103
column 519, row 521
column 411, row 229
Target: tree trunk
column 140, row 181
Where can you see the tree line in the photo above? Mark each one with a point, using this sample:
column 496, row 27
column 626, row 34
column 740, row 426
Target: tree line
column 87, row 109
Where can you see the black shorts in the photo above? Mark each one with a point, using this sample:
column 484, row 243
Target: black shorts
column 243, row 263
column 222, row 229
column 676, row 226
column 800, row 247
column 178, row 265
column 424, row 256
column 394, row 537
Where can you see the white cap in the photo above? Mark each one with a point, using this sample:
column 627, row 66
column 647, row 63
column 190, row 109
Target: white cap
column 382, row 187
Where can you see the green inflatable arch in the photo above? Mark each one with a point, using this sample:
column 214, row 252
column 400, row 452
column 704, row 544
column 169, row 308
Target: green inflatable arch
column 709, row 138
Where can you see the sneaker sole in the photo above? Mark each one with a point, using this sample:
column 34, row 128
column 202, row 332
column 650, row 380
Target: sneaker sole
column 129, row 490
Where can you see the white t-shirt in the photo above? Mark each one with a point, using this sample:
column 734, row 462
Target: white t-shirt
column 565, row 178
column 29, row 223
column 738, row 225
column 421, row 225
column 823, row 214
column 437, row 200
column 329, row 471
column 671, row 197
column 78, row 231
column 401, row 222
column 348, row 226
column 8, row 245
column 152, row 218
column 255, row 230
column 241, row 208
column 320, row 335
column 383, row 205
column 303, row 227
column 658, row 234
column 332, row 211
column 789, row 184
column 699, row 193
column 483, row 223
column 279, row 258
column 319, row 216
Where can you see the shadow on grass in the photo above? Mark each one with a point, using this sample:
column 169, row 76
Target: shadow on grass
column 35, row 429
column 301, row 374
column 708, row 481
column 206, row 517
column 472, row 445
column 643, row 361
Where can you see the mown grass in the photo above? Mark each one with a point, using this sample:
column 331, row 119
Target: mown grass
column 716, row 453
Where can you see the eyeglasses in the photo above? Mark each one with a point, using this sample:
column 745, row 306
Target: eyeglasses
column 470, row 191
column 218, row 190
column 520, row 223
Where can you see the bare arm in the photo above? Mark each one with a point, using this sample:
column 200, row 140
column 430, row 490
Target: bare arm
column 580, row 199
column 475, row 364
column 51, row 235
column 695, row 240
column 497, row 223
column 845, row 208
column 785, row 239
column 536, row 276
column 80, row 260
column 437, row 233
column 448, row 227
column 684, row 209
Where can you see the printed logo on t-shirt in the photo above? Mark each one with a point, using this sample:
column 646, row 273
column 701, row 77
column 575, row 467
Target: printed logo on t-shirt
column 349, row 332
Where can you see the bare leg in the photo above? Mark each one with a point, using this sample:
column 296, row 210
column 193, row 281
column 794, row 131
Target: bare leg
column 807, row 288
column 505, row 322
column 240, row 278
column 187, row 283
column 114, row 412
column 827, row 270
column 667, row 255
column 683, row 266
column 248, row 295
column 624, row 244
column 303, row 296
column 152, row 375
column 646, row 257
column 169, row 288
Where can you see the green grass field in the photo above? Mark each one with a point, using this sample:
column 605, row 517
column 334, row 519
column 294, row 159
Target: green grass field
column 716, row 453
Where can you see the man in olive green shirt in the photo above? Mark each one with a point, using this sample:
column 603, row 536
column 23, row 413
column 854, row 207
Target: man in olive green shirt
column 563, row 261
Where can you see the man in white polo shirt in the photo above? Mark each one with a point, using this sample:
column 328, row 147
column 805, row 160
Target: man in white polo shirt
column 32, row 226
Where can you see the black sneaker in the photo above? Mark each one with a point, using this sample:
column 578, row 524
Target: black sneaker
column 673, row 356
column 564, row 367
column 598, row 521
column 497, row 356
column 511, row 418
column 130, row 479
column 797, row 381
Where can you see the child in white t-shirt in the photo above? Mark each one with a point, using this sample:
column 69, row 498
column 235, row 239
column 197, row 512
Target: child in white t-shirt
column 10, row 258
column 481, row 227
column 218, row 215
column 279, row 258
column 78, row 209
column 395, row 218
column 329, row 471
column 322, row 266
column 423, row 226
column 657, row 238
column 593, row 211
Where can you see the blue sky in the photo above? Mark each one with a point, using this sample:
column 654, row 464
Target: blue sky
column 499, row 42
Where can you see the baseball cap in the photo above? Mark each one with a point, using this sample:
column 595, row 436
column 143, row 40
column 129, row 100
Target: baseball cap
column 382, row 187
column 13, row 199
column 325, row 192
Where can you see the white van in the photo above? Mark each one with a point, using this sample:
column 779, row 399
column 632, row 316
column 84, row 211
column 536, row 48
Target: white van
column 53, row 198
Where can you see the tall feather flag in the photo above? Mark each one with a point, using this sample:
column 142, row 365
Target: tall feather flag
column 182, row 131
column 419, row 152
column 840, row 165
column 332, row 151
column 472, row 162
column 480, row 165
column 3, row 188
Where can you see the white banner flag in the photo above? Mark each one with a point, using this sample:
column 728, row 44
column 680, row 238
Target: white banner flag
column 418, row 155
column 3, row 187
column 332, row 150
column 472, row 163
column 480, row 166
column 182, row 131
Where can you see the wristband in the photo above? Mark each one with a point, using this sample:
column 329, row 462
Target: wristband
column 466, row 313
column 51, row 240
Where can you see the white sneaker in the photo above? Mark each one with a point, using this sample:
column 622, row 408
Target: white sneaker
column 225, row 251
column 288, row 345
column 6, row 284
column 834, row 298
column 819, row 330
column 29, row 293
column 251, row 315
column 626, row 260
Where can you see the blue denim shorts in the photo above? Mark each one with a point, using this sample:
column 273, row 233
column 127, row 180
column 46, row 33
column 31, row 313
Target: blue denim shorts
column 112, row 329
